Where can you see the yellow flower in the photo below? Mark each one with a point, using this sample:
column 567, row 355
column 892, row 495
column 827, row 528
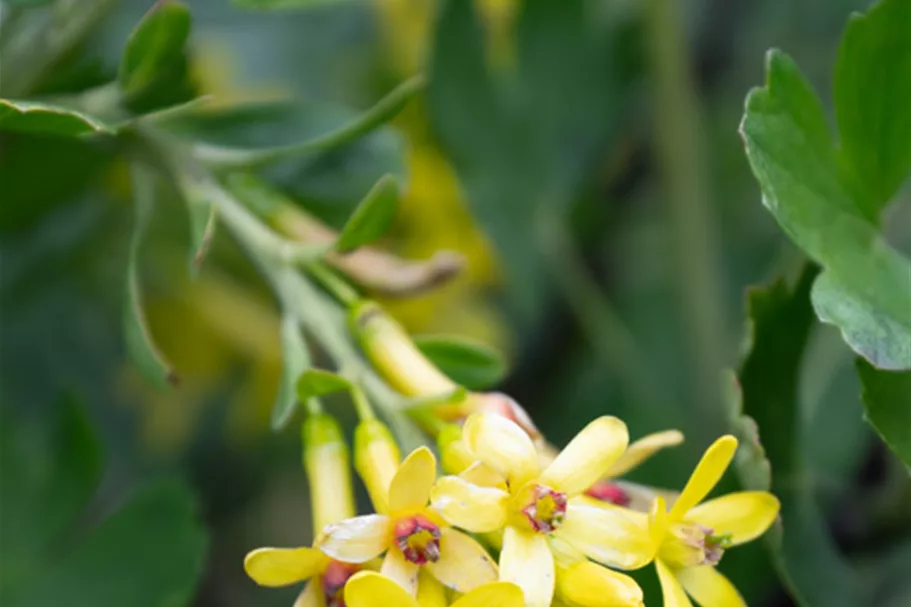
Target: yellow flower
column 412, row 535
column 326, row 460
column 535, row 505
column 690, row 539
column 370, row 589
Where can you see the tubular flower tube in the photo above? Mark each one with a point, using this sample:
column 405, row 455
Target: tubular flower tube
column 690, row 539
column 536, row 506
column 412, row 535
column 376, row 458
column 326, row 460
column 370, row 589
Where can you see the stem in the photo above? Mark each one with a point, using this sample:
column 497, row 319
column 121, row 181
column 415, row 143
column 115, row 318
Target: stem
column 222, row 158
column 680, row 159
column 606, row 332
column 361, row 404
column 341, row 290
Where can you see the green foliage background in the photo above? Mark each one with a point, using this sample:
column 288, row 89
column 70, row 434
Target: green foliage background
column 584, row 158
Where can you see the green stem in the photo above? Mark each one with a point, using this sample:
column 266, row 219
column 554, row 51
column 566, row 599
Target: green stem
column 361, row 404
column 341, row 290
column 225, row 159
column 680, row 158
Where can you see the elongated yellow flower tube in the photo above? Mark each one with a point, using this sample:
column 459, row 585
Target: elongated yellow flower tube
column 376, row 458
column 327, row 462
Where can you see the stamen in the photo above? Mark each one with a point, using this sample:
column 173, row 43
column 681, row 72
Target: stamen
column 418, row 539
column 546, row 510
column 691, row 545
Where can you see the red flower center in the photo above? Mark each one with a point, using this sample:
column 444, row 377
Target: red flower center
column 418, row 539
column 546, row 510
column 334, row 579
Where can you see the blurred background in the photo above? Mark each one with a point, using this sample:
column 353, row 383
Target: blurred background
column 583, row 157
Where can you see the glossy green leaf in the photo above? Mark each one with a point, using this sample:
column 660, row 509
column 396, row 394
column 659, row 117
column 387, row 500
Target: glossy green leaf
column 470, row 363
column 46, row 119
column 865, row 288
column 887, row 399
column 295, row 359
column 155, row 47
column 781, row 318
column 148, row 553
column 140, row 346
column 319, row 382
column 372, row 217
column 872, row 96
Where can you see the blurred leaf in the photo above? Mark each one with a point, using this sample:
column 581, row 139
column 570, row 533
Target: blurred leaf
column 203, row 219
column 149, row 553
column 46, row 481
column 752, row 464
column 27, row 3
column 470, row 363
column 284, row 4
column 525, row 139
column 319, row 382
column 241, row 157
column 864, row 289
column 142, row 350
column 803, row 550
column 295, row 360
column 36, row 117
column 372, row 217
column 887, row 398
column 155, row 49
column 872, row 96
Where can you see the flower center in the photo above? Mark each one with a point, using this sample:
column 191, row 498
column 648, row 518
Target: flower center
column 334, row 579
column 545, row 510
column 418, row 539
column 606, row 491
column 689, row 545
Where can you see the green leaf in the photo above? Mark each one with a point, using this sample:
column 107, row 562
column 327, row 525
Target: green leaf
column 148, row 553
column 804, row 552
column 319, row 382
column 872, row 96
column 35, row 117
column 295, row 360
column 887, row 398
column 142, row 350
column 372, row 217
column 155, row 47
column 470, row 363
column 269, row 5
column 203, row 219
column 864, row 289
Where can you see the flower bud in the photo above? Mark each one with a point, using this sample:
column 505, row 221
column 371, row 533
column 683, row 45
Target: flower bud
column 327, row 464
column 376, row 458
column 454, row 456
column 394, row 354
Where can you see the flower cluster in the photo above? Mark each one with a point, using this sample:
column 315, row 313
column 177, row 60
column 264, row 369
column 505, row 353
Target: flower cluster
column 511, row 521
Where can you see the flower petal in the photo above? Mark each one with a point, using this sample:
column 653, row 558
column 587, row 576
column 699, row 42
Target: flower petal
column 401, row 571
column 744, row 515
column 708, row 472
column 283, row 566
column 671, row 590
column 484, row 476
column 709, row 587
column 410, row 487
column 473, row 508
column 608, row 534
column 431, row 593
column 590, row 585
column 358, row 539
column 370, row 589
column 494, row 594
column 588, row 456
column 311, row 596
column 526, row 561
column 464, row 564
column 643, row 449
column 657, row 523
column 502, row 445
